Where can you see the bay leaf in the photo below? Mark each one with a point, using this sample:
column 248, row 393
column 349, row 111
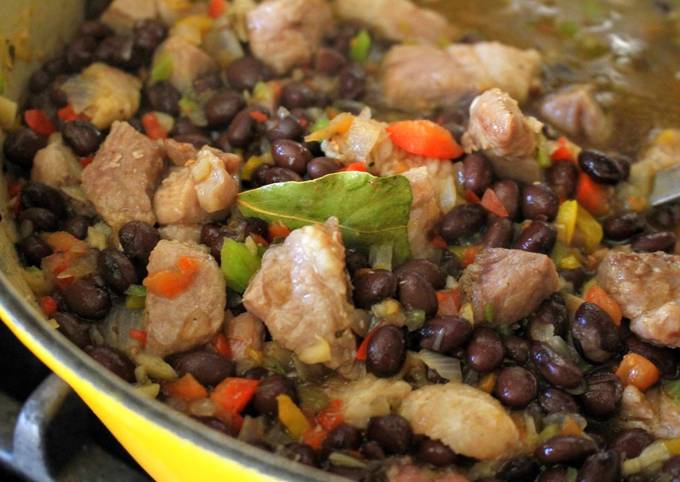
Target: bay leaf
column 370, row 210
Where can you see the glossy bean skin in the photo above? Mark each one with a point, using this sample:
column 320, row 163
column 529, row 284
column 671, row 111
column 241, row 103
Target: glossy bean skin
column 216, row 424
column 595, row 335
column 477, row 173
column 116, row 269
column 21, row 146
column 554, row 368
column 82, row 136
column 576, row 277
column 297, row 95
column 517, row 348
column 425, row 268
column 207, row 367
column 659, row 241
column 631, row 443
column 39, row 195
column 291, row 155
column 33, row 248
column 518, row 470
column 671, row 467
column 603, row 394
column 601, row 467
column 392, row 432
column 539, row 202
column 444, row 334
column 148, row 34
column 300, row 453
column 322, row 166
column 87, row 299
column 138, row 239
column 562, row 177
column 73, row 329
column 508, row 192
column 537, row 237
column 343, row 437
column 245, row 72
column 80, row 52
column 386, row 351
column 372, row 450
column 665, row 359
column 352, row 80
column 553, row 474
column 329, row 61
column 551, row 311
column 264, row 400
column 623, row 226
column 373, row 286
column 355, row 260
column 565, row 449
column 40, row 218
column 417, row 293
column 435, row 453
column 462, row 221
column 601, row 168
column 77, row 226
column 113, row 360
column 222, row 107
column 285, row 128
column 498, row 234
column 265, row 175
column 554, row 400
column 485, row 351
column 515, row 387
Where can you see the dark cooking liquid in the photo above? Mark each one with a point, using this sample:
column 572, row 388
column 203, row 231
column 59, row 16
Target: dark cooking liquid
column 629, row 49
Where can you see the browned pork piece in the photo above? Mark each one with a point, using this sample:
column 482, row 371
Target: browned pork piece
column 56, row 166
column 121, row 15
column 507, row 137
column 508, row 284
column 575, row 112
column 424, row 77
column 398, row 20
column 188, row 62
column 653, row 411
column 245, row 334
column 471, row 422
column 301, row 293
column 425, row 212
column 196, row 314
column 123, row 176
column 647, row 287
column 286, row 33
column 181, row 152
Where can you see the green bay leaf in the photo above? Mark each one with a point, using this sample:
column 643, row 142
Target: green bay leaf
column 371, row 210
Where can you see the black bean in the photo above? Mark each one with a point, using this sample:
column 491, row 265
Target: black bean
column 372, row 450
column 461, row 222
column 498, row 234
column 56, row 93
column 285, row 128
column 80, row 52
column 435, row 453
column 39, row 81
column 417, row 293
column 565, row 449
column 519, row 469
column 321, row 166
column 538, row 237
column 256, row 226
column 39, row 195
column 601, row 467
column 595, row 335
column 672, row 467
column 444, row 334
column 87, row 300
column 562, row 177
column 256, row 373
column 386, row 351
column 343, row 437
column 210, row 81
column 197, row 140
column 301, row 453
column 650, row 243
column 664, row 217
column 95, row 29
column 217, row 425
column 517, row 348
column 164, row 97
column 539, row 201
column 603, row 393
column 241, row 129
column 623, row 226
column 485, row 351
column 265, row 175
column 77, row 226
column 554, row 400
column 555, row 368
column 266, row 392
column 55, row 66
column 94, row 8
column 515, row 387
column 329, row 61
column 425, row 268
column 34, row 249
column 207, row 367
column 373, row 286
column 665, row 359
column 113, row 360
column 116, row 269
column 477, row 173
column 297, row 95
column 138, row 239
column 120, row 52
column 450, row 264
column 291, row 155
column 40, row 218
column 73, row 329
column 148, row 34
column 245, row 72
column 392, row 432
column 21, row 146
column 352, row 82
column 82, row 136
column 355, row 260
column 601, row 168
column 185, row 126
column 576, row 277
column 554, row 474
column 631, row 443
column 508, row 192
column 222, row 107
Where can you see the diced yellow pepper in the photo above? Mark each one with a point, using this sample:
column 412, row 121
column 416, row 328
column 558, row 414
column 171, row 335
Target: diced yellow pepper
column 566, row 221
column 589, row 230
column 488, row 382
column 673, row 445
column 570, row 262
column 291, row 416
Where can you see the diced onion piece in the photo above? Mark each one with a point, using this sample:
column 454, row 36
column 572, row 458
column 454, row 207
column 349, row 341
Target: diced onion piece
column 156, row 367
column 655, row 453
column 319, row 352
column 150, row 390
column 447, row 367
column 380, row 256
column 344, row 460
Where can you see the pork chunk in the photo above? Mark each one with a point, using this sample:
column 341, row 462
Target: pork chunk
column 123, row 176
column 244, row 332
column 121, row 15
column 194, row 316
column 301, row 293
column 575, row 112
column 508, row 283
column 507, row 137
column 286, row 33
column 653, row 411
column 398, row 20
column 647, row 287
column 424, row 77
column 180, row 152
column 56, row 166
column 469, row 421
column 176, row 202
column 188, row 62
column 186, row 233
column 215, row 188
column 425, row 212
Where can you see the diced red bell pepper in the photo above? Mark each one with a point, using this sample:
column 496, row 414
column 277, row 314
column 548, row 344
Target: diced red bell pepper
column 38, row 121
column 424, row 138
column 331, row 416
column 449, row 302
column 139, row 335
column 259, row 117
column 221, row 345
column 216, row 8
column 591, row 195
column 186, row 388
column 562, row 152
column 363, row 348
column 171, row 283
column 491, row 203
column 314, row 437
column 233, row 394
column 356, row 166
column 152, row 127
column 48, row 305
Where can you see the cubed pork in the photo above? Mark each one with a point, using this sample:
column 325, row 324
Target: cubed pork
column 195, row 315
column 425, row 212
column 652, row 410
column 121, row 15
column 301, row 293
column 508, row 284
column 215, row 188
column 180, row 152
column 245, row 334
column 176, row 202
column 188, row 62
column 123, row 176
column 187, row 233
column 56, row 166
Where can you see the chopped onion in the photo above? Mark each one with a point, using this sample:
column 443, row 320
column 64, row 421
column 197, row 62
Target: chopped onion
column 155, row 366
column 380, row 256
column 414, row 319
column 654, row 454
column 115, row 329
column 204, row 407
column 447, row 367
column 344, row 460
column 150, row 390
column 252, row 430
